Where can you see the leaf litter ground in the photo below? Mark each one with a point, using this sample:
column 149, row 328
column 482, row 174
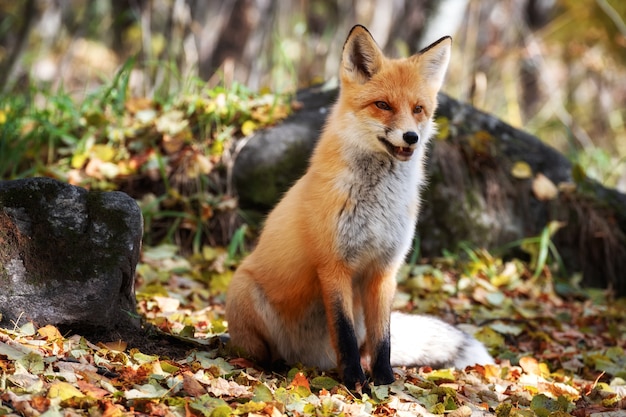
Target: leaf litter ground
column 556, row 355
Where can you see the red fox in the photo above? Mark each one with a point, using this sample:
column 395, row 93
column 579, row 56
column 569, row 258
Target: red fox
column 318, row 287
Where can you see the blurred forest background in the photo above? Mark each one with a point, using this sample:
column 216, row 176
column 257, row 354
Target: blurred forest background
column 556, row 68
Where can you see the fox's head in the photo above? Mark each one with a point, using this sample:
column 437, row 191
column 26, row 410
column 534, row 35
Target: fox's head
column 389, row 103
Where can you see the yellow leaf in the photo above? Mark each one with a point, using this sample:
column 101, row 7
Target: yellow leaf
column 143, row 358
column 261, row 114
column 508, row 274
column 63, row 390
column 521, row 170
column 543, row 188
column 441, row 374
column 248, row 127
column 491, row 371
column 567, row 187
column 125, row 168
column 210, row 253
column 169, row 367
column 117, row 346
column 3, row 117
column 489, row 337
column 105, row 153
column 531, row 366
column 443, row 128
column 78, row 160
column 50, row 332
column 210, row 107
column 220, row 281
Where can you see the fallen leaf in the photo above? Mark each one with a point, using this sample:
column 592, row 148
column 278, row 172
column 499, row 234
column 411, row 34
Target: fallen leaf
column 105, row 153
column 221, row 387
column 543, row 188
column 49, row 332
column 441, row 375
column 91, row 389
column 117, row 346
column 136, row 104
column 28, row 329
column 521, row 170
column 262, row 393
column 32, row 362
column 531, row 366
column 10, row 352
column 63, row 390
column 248, row 127
column 242, row 363
column 40, row 403
column 324, row 382
column 443, row 127
column 113, row 410
column 151, row 390
column 300, row 380
column 191, row 385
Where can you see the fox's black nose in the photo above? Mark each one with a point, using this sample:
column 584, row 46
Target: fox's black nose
column 410, row 137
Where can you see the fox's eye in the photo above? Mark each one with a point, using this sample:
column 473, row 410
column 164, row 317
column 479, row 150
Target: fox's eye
column 383, row 105
column 417, row 109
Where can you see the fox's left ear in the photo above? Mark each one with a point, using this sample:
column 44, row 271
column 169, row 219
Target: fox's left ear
column 433, row 60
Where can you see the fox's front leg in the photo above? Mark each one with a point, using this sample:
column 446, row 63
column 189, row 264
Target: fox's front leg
column 378, row 298
column 336, row 283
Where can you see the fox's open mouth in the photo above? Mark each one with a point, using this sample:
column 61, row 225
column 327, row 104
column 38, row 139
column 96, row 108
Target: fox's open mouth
column 401, row 152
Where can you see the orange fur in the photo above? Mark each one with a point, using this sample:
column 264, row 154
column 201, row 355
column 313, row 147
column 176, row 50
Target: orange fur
column 318, row 287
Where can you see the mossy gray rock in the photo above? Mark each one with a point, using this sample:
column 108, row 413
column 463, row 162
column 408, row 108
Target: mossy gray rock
column 67, row 256
column 274, row 158
column 473, row 196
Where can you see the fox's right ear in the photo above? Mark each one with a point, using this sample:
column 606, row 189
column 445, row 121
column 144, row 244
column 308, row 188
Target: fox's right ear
column 361, row 57
column 434, row 61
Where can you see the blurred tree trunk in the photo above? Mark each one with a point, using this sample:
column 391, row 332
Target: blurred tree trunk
column 16, row 41
column 226, row 29
column 123, row 18
column 229, row 34
column 423, row 22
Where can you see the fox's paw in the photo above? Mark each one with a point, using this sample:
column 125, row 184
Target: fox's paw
column 353, row 376
column 383, row 376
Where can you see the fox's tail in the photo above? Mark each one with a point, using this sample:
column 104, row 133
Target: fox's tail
column 425, row 340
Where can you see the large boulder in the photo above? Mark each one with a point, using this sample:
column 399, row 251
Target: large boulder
column 68, row 256
column 274, row 158
column 484, row 189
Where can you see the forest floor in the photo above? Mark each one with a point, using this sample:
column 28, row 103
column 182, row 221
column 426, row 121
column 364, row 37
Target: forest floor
column 559, row 351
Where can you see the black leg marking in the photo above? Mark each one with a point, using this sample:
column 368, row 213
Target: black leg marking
column 381, row 367
column 349, row 355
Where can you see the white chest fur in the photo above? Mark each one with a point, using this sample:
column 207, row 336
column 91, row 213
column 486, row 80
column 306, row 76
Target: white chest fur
column 377, row 220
